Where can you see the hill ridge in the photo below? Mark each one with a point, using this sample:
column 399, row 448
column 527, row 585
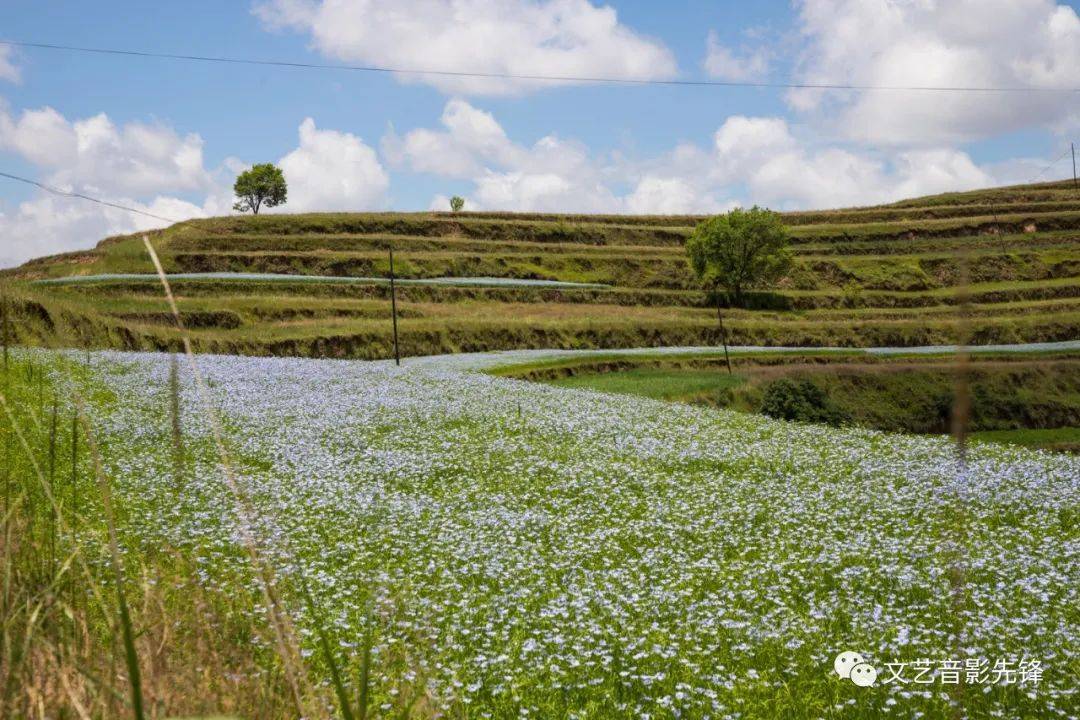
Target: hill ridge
column 878, row 275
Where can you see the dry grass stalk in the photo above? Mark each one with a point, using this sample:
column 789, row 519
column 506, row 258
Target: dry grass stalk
column 287, row 645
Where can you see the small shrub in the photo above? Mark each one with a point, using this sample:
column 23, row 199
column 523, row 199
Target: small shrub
column 800, row 400
column 852, row 295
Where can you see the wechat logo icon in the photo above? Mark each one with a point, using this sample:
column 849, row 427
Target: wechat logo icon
column 853, row 666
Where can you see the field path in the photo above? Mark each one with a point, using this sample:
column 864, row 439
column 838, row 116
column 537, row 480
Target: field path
column 515, row 357
column 249, row 277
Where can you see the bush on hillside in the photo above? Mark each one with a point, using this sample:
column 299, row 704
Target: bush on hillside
column 800, row 400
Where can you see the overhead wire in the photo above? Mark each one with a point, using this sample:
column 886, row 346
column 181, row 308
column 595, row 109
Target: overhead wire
column 534, row 77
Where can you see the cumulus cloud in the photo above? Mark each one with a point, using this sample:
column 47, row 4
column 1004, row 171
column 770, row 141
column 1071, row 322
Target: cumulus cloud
column 44, row 137
column 469, row 138
column 779, row 170
column 979, row 43
column 93, row 152
column 751, row 160
column 562, row 38
column 659, row 195
column 151, row 167
column 727, row 64
column 48, row 224
column 551, row 175
column 743, row 143
column 332, row 170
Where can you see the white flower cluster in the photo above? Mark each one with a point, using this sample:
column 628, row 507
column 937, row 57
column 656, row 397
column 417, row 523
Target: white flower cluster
column 553, row 552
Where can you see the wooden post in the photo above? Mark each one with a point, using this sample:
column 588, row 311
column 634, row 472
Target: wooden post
column 393, row 306
column 723, row 335
column 1072, row 146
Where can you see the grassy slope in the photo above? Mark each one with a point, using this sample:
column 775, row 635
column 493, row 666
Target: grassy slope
column 1027, row 401
column 867, row 276
column 657, row 383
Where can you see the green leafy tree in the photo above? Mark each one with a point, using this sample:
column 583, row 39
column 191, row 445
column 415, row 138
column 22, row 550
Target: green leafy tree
column 261, row 186
column 457, row 203
column 740, row 250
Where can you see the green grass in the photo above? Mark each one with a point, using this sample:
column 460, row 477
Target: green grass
column 657, row 383
column 1033, row 402
column 1066, row 438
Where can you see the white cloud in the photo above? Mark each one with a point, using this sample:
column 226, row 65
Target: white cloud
column 49, row 224
column 563, row 38
column 8, row 69
column 551, row 175
column 724, row 63
column 46, row 225
column 779, row 170
column 978, row 43
column 332, row 170
column 138, row 165
column 656, row 195
column 44, row 137
column 755, row 159
column 743, row 143
column 926, row 172
column 471, row 136
column 150, row 167
column 135, row 159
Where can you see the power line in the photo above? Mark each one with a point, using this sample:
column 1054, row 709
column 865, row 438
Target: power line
column 80, row 196
column 530, row 77
column 1050, row 165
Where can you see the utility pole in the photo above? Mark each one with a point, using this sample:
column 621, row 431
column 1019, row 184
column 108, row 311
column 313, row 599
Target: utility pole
column 723, row 335
column 1072, row 145
column 393, row 306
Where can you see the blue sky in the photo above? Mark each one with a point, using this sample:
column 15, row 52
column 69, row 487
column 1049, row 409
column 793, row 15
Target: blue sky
column 169, row 136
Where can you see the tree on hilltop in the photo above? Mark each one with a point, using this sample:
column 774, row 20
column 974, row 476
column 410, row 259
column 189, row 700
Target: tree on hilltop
column 261, row 186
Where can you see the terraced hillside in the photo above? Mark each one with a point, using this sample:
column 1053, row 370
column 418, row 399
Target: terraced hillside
column 887, row 275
